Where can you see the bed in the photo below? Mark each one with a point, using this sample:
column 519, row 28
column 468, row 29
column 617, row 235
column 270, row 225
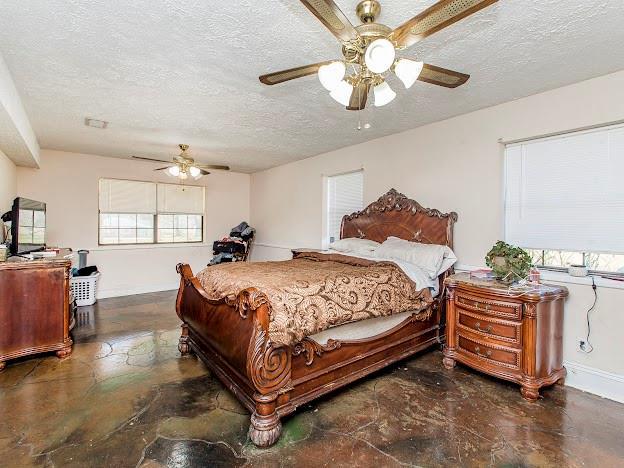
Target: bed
column 272, row 377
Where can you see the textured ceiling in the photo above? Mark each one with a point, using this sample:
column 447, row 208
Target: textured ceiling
column 172, row 71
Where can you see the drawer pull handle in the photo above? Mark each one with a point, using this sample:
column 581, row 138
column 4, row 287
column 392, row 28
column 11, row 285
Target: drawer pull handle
column 487, row 354
column 478, row 306
column 487, row 329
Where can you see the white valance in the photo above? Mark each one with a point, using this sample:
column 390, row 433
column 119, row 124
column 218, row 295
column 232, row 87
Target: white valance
column 180, row 199
column 127, row 196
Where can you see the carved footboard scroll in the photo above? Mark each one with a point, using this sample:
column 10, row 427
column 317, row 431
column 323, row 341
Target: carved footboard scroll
column 232, row 337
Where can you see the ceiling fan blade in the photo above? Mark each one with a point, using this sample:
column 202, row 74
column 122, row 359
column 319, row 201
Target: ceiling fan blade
column 162, row 168
column 359, row 95
column 151, row 159
column 333, row 18
column 442, row 77
column 203, row 172
column 291, row 73
column 437, row 17
column 212, row 166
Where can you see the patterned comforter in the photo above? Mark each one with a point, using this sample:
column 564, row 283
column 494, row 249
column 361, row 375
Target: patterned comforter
column 315, row 291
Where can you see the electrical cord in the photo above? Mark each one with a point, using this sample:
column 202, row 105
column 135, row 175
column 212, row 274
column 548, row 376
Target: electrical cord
column 586, row 346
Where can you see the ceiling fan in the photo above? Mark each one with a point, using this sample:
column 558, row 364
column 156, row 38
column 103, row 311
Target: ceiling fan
column 369, row 51
column 184, row 166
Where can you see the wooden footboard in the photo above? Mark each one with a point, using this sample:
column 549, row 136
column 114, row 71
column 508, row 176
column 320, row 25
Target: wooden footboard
column 272, row 380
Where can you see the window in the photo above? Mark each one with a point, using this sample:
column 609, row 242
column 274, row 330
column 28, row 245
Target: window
column 133, row 212
column 564, row 199
column 345, row 195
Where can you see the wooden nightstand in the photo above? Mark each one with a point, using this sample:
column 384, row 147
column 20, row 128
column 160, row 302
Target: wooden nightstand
column 515, row 334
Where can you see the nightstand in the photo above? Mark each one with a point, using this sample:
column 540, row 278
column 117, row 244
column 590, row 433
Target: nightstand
column 514, row 333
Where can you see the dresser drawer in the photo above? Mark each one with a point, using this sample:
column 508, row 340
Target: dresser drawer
column 501, row 355
column 508, row 310
column 486, row 326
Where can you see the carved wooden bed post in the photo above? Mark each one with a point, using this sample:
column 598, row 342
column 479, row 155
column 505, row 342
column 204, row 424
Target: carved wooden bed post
column 268, row 369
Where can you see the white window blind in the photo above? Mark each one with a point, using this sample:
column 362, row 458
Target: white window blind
column 127, row 196
column 345, row 194
column 180, row 199
column 567, row 192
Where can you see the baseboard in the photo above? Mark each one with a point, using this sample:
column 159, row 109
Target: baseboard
column 117, row 292
column 596, row 381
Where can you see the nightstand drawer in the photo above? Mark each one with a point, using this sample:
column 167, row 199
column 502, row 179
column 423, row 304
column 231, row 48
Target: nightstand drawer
column 502, row 356
column 508, row 310
column 489, row 327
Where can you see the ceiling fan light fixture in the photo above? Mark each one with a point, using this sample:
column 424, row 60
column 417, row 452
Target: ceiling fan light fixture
column 379, row 55
column 383, row 94
column 195, row 172
column 183, row 176
column 342, row 93
column 408, row 71
column 173, row 171
column 331, row 74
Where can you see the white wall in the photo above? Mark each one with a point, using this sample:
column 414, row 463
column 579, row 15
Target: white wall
column 68, row 183
column 8, row 183
column 456, row 165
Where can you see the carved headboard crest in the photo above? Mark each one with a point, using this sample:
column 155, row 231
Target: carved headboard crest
column 393, row 214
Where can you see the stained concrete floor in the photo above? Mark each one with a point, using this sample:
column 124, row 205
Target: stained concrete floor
column 126, row 398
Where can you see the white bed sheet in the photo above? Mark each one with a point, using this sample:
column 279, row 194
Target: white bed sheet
column 416, row 274
column 375, row 326
column 362, row 329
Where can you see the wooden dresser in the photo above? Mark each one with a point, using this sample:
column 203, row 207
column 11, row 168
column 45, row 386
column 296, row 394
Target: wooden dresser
column 515, row 334
column 36, row 313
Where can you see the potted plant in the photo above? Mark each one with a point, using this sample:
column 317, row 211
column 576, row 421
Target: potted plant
column 508, row 263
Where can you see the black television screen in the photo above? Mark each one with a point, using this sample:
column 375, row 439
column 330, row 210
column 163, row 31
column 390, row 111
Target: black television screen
column 28, row 225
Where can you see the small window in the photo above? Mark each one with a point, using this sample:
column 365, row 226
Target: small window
column 180, row 228
column 560, row 259
column 345, row 195
column 126, row 228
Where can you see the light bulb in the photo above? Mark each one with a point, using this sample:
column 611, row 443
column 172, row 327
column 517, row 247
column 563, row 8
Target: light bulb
column 174, row 171
column 183, row 175
column 342, row 93
column 383, row 94
column 331, row 74
column 408, row 71
column 379, row 55
column 195, row 172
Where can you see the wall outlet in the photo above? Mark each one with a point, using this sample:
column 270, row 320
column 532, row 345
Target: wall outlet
column 583, row 346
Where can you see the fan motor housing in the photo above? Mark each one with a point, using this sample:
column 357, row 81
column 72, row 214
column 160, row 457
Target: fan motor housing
column 368, row 10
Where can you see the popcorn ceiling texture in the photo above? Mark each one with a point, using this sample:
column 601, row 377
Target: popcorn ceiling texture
column 177, row 71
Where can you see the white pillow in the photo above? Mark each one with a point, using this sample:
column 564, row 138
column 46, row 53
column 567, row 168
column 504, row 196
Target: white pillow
column 355, row 245
column 432, row 258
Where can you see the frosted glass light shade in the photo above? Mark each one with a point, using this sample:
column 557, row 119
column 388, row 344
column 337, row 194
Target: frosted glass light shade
column 331, row 75
column 342, row 93
column 195, row 172
column 383, row 94
column 173, row 171
column 408, row 71
column 183, row 175
column 379, row 55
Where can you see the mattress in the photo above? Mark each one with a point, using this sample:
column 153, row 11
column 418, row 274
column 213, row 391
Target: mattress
column 362, row 329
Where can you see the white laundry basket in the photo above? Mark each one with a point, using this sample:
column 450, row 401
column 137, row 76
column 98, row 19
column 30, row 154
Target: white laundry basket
column 84, row 288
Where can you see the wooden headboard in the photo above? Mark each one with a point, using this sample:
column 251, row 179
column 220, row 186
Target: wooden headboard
column 396, row 215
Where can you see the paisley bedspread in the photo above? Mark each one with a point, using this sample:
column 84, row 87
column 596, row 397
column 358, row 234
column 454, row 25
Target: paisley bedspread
column 316, row 291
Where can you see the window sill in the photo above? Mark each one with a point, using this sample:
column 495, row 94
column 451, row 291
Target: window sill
column 561, row 277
